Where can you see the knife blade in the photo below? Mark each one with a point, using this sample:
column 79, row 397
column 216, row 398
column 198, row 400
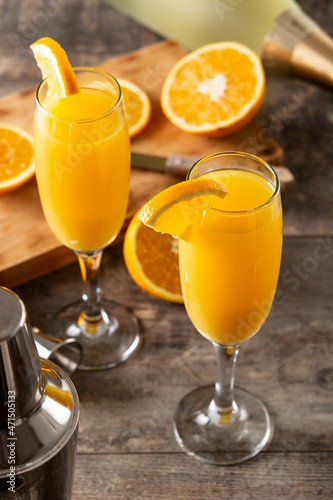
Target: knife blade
column 179, row 165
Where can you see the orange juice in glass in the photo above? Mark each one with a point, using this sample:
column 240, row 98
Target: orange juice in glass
column 82, row 154
column 229, row 270
column 83, row 168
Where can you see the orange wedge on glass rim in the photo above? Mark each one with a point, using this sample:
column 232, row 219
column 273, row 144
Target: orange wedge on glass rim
column 174, row 210
column 215, row 90
column 53, row 63
column 151, row 257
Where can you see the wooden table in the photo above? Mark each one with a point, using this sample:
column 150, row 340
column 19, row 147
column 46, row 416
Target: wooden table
column 126, row 448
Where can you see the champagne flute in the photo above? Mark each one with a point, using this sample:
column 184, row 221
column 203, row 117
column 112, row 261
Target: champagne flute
column 229, row 272
column 82, row 154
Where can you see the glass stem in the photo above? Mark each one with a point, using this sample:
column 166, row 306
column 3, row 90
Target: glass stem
column 90, row 264
column 223, row 409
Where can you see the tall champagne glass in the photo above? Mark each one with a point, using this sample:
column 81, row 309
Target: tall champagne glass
column 229, row 271
column 82, row 154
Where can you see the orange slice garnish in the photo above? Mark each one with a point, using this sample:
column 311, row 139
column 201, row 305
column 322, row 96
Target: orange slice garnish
column 174, row 210
column 215, row 90
column 53, row 63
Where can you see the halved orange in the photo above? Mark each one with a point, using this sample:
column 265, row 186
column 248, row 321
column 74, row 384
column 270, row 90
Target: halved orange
column 173, row 211
column 152, row 261
column 215, row 90
column 17, row 164
column 137, row 107
column 53, row 62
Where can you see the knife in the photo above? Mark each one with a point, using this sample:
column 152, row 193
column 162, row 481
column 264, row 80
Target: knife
column 179, row 165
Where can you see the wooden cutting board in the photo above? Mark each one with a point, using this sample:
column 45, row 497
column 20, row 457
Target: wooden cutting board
column 28, row 248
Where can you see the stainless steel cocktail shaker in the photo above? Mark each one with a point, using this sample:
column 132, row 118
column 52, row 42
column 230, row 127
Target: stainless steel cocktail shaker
column 39, row 414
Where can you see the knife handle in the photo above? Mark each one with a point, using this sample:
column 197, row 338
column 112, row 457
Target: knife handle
column 179, row 165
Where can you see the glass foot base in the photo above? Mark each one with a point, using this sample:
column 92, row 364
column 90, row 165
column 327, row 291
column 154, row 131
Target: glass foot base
column 222, row 444
column 107, row 343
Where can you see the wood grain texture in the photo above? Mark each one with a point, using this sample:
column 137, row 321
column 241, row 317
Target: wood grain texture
column 278, row 476
column 126, row 445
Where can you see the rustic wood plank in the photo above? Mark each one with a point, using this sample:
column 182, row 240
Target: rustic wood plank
column 288, row 364
column 278, row 476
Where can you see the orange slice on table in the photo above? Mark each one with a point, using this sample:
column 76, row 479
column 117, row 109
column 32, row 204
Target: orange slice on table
column 137, row 107
column 215, row 90
column 17, row 164
column 152, row 261
column 174, row 210
column 53, row 62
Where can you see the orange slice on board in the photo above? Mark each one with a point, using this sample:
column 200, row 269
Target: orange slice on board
column 215, row 90
column 151, row 259
column 174, row 210
column 53, row 62
column 17, row 164
column 137, row 107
